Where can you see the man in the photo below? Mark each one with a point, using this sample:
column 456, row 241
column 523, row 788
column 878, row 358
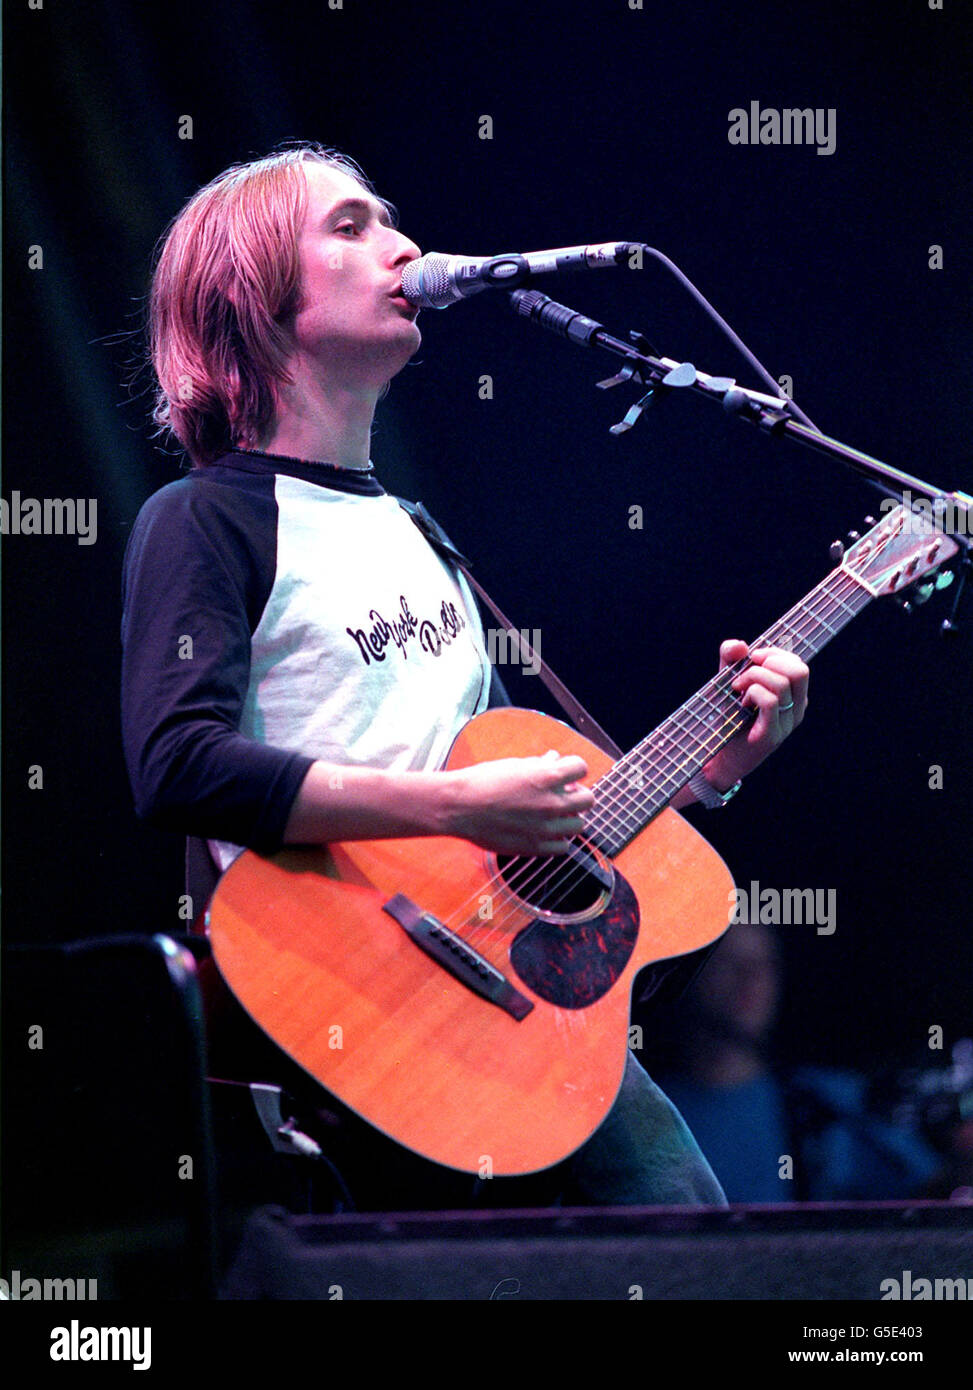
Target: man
column 276, row 686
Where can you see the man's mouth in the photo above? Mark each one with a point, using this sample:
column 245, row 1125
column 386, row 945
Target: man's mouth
column 398, row 298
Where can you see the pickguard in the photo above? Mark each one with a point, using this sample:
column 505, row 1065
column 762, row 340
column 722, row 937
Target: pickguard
column 573, row 964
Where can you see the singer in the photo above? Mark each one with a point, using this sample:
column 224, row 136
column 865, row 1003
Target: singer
column 253, row 714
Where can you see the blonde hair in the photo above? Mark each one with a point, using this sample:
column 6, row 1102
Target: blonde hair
column 227, row 274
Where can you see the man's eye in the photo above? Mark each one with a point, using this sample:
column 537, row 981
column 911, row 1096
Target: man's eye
column 347, row 227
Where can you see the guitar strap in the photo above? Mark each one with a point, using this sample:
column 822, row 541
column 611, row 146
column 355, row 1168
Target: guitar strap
column 573, row 708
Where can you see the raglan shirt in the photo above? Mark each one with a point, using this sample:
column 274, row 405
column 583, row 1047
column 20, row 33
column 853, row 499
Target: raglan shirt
column 275, row 613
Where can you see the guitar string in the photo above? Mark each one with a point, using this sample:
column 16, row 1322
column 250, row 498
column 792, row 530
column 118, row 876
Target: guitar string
column 604, row 818
column 564, row 872
column 683, row 731
column 540, row 865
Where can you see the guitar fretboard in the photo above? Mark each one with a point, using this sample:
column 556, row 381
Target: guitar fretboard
column 644, row 781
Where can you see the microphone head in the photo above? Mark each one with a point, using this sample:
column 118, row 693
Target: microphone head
column 427, row 282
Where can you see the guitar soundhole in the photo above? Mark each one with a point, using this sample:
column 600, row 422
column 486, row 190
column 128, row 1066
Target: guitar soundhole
column 568, row 886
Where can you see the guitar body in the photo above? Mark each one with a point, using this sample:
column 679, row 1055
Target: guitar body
column 305, row 944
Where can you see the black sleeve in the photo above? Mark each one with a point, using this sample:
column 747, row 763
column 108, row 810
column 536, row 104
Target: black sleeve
column 199, row 567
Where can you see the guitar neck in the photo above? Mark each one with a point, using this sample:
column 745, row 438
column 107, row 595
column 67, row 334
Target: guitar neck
column 645, row 780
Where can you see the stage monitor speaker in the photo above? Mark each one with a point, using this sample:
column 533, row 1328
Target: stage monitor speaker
column 804, row 1252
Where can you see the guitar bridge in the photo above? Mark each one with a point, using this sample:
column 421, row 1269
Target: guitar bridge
column 457, row 957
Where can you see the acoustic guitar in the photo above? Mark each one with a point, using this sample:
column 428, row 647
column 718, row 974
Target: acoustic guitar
column 474, row 1006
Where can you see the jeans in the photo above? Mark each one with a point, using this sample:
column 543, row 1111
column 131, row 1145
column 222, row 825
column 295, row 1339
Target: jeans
column 643, row 1154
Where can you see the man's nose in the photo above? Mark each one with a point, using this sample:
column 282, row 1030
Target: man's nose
column 406, row 250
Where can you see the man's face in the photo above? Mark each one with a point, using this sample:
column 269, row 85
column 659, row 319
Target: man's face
column 351, row 325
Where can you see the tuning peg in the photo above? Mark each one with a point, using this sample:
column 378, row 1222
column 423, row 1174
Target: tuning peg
column 905, row 604
column 869, row 521
column 854, row 536
column 923, row 592
column 944, row 578
column 837, row 551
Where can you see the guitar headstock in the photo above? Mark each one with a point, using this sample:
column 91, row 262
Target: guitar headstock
column 902, row 548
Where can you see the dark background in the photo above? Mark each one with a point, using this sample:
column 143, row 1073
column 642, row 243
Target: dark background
column 609, row 123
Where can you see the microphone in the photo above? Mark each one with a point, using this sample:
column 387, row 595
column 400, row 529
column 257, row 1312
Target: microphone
column 435, row 281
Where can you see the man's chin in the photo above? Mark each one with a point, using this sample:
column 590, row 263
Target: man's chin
column 369, row 364
column 404, row 350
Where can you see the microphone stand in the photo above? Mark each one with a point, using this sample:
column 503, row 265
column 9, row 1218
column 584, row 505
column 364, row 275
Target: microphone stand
column 772, row 414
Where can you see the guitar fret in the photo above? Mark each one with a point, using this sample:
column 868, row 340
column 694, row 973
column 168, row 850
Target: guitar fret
column 645, row 780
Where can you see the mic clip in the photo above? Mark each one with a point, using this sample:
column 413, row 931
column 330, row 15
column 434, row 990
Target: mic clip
column 682, row 375
column 634, row 413
column 626, row 374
